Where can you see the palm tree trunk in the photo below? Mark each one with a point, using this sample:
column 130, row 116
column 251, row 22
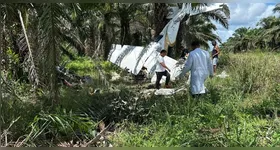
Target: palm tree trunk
column 81, row 52
column 136, row 39
column 1, row 49
column 4, row 42
column 273, row 43
column 16, row 70
column 35, row 46
column 4, row 52
column 125, row 29
column 160, row 14
column 53, row 77
column 92, row 41
column 106, row 45
column 179, row 40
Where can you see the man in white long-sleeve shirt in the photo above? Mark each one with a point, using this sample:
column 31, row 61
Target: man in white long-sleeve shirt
column 200, row 65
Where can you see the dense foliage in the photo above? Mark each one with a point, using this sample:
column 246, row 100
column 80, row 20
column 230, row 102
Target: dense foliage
column 40, row 109
column 265, row 37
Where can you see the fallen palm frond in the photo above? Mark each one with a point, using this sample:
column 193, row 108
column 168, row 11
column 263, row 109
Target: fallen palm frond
column 24, row 44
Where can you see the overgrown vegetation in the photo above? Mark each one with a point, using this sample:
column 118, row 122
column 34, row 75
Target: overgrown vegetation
column 240, row 110
column 41, row 107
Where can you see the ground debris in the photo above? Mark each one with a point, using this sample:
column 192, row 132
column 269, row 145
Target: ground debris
column 223, row 75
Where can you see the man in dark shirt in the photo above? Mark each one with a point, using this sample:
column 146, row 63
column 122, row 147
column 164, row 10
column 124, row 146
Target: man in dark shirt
column 185, row 52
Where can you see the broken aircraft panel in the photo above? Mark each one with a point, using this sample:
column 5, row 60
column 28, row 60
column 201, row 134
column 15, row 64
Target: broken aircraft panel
column 133, row 58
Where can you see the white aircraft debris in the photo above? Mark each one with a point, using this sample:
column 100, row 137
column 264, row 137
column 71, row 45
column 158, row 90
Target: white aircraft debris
column 223, row 75
column 134, row 58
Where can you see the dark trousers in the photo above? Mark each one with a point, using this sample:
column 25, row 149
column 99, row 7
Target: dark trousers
column 159, row 76
column 196, row 95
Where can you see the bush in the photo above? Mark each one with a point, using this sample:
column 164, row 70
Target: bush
column 224, row 60
column 233, row 113
column 109, row 67
column 60, row 126
column 81, row 66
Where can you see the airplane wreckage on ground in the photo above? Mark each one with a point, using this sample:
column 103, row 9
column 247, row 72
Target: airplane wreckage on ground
column 135, row 58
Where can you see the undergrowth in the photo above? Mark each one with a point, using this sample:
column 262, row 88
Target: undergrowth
column 240, row 110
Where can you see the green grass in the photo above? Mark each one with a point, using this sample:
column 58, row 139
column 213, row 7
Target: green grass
column 240, row 110
column 234, row 113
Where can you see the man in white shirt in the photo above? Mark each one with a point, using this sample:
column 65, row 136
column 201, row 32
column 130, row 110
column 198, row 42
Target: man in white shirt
column 200, row 65
column 161, row 70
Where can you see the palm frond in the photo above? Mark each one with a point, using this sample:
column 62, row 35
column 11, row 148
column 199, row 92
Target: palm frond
column 66, row 52
column 74, row 41
column 277, row 8
column 272, row 30
column 217, row 16
column 225, row 9
column 24, row 44
column 50, row 23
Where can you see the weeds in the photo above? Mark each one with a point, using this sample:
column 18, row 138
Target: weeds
column 240, row 110
column 232, row 114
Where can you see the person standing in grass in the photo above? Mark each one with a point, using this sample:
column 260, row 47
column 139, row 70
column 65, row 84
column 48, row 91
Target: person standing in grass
column 215, row 55
column 161, row 70
column 200, row 65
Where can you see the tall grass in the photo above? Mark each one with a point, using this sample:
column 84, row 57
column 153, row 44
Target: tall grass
column 240, row 110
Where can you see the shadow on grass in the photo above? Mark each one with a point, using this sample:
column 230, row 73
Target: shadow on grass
column 214, row 95
column 111, row 105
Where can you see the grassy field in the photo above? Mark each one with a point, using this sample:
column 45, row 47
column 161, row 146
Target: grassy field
column 240, row 110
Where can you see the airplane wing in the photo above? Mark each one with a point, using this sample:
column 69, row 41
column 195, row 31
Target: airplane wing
column 134, row 58
column 131, row 57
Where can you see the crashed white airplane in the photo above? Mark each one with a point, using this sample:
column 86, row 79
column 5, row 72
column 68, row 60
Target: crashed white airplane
column 133, row 58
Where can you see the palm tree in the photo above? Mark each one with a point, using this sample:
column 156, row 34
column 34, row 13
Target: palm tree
column 126, row 13
column 245, row 39
column 55, row 29
column 33, row 75
column 76, row 31
column 200, row 26
column 201, row 30
column 193, row 29
column 1, row 75
column 107, row 14
column 236, row 43
column 268, row 22
column 11, row 28
column 271, row 31
column 83, row 24
column 160, row 14
column 51, row 17
column 276, row 8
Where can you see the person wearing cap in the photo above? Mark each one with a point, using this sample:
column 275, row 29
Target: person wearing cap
column 200, row 65
column 215, row 55
column 161, row 70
